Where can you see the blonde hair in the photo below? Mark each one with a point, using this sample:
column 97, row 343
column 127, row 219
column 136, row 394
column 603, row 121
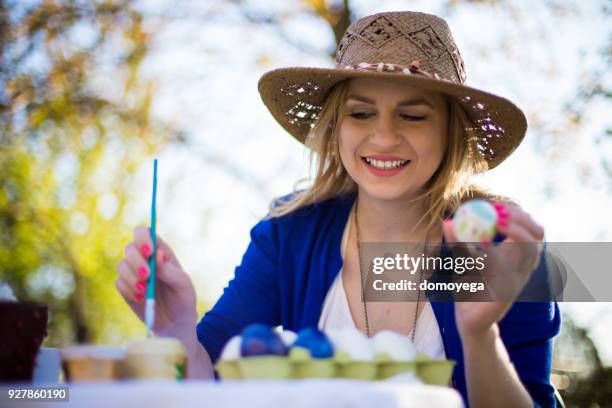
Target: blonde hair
column 447, row 189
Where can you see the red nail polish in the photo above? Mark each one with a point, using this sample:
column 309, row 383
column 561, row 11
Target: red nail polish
column 146, row 250
column 142, row 271
column 503, row 223
column 140, row 287
column 139, row 297
column 498, row 205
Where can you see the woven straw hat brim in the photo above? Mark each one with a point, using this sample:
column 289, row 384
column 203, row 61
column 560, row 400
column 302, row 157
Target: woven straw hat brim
column 296, row 95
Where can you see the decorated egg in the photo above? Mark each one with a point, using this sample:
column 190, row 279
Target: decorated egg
column 260, row 340
column 316, row 342
column 475, row 221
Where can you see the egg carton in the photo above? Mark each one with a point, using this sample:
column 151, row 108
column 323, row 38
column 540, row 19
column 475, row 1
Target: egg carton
column 299, row 364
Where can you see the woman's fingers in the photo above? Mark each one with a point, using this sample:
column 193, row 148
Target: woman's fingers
column 521, row 230
column 130, row 288
column 516, row 232
column 447, row 229
column 136, row 305
column 511, row 215
column 535, row 229
column 142, row 241
column 144, row 244
column 168, row 253
column 128, row 273
column 137, row 262
column 168, row 269
column 171, row 273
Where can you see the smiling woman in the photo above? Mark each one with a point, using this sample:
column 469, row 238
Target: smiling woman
column 392, row 123
column 395, row 135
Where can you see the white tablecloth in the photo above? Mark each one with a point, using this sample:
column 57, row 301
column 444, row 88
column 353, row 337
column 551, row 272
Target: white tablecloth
column 335, row 393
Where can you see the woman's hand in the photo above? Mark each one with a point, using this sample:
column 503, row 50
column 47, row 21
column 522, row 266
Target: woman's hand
column 508, row 267
column 175, row 297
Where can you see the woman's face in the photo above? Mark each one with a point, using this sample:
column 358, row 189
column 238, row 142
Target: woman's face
column 393, row 136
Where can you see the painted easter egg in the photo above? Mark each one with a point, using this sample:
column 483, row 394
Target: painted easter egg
column 316, row 342
column 475, row 221
column 260, row 340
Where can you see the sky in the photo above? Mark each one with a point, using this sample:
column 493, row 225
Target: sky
column 206, row 62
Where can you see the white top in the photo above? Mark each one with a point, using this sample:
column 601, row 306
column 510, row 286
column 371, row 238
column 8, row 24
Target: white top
column 336, row 314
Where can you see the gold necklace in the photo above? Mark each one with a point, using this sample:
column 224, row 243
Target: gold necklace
column 363, row 301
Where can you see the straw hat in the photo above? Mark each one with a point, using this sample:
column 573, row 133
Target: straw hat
column 417, row 47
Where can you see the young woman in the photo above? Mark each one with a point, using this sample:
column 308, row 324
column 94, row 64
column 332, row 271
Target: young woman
column 396, row 135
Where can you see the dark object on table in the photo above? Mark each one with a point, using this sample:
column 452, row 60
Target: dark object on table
column 23, row 326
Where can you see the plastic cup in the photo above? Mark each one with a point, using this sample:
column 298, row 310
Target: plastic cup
column 91, row 363
column 155, row 358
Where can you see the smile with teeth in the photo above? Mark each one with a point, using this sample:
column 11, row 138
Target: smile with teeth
column 385, row 164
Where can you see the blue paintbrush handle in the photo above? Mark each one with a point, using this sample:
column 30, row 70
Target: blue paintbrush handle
column 150, row 303
column 151, row 284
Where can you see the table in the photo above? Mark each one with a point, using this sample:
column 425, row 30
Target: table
column 309, row 393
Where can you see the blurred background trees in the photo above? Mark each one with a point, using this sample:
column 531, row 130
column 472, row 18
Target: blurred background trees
column 74, row 124
column 578, row 372
column 92, row 90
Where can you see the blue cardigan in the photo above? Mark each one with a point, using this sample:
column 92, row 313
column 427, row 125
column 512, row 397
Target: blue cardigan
column 290, row 265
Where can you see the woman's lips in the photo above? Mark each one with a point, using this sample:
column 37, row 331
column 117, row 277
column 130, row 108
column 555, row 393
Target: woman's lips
column 384, row 172
column 383, row 157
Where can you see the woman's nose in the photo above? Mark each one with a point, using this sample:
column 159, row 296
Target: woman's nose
column 385, row 134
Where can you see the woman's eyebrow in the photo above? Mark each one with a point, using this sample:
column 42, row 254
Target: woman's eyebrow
column 407, row 102
column 360, row 99
column 418, row 101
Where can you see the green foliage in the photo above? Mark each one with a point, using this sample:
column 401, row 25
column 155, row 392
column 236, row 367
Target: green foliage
column 74, row 127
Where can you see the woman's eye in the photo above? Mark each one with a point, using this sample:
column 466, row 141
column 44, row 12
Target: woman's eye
column 365, row 115
column 360, row 115
column 414, row 118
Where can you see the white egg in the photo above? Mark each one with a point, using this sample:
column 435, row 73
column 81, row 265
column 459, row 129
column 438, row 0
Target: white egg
column 288, row 337
column 231, row 351
column 352, row 342
column 475, row 221
column 397, row 346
